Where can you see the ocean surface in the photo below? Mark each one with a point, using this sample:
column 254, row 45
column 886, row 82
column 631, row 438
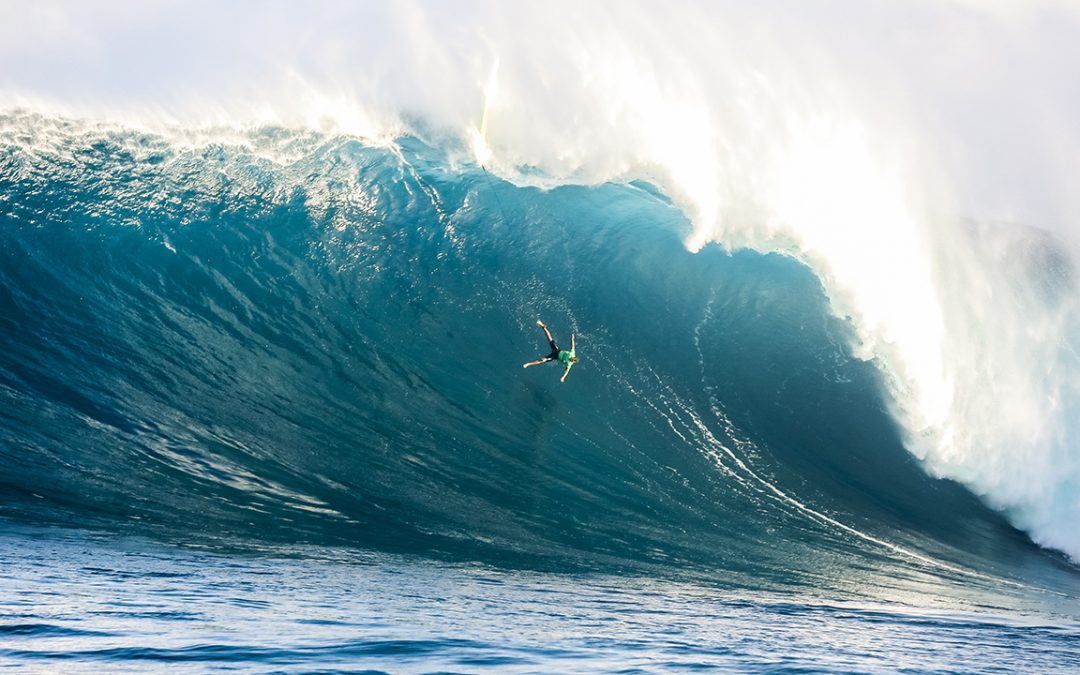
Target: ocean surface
column 262, row 408
column 124, row 605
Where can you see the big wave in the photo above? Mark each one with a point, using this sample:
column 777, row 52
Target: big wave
column 773, row 131
column 209, row 345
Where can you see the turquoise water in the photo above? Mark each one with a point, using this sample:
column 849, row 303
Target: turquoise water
column 274, row 384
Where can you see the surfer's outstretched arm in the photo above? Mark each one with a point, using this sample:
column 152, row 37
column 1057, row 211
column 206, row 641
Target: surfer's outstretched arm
column 573, row 347
column 538, row 362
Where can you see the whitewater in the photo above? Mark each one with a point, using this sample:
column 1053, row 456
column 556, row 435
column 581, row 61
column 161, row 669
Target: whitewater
column 268, row 275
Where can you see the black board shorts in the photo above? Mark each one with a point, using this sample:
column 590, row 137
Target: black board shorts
column 554, row 350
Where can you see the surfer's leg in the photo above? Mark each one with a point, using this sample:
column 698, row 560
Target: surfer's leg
column 537, row 362
column 546, row 332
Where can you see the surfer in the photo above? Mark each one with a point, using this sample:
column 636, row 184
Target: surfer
column 567, row 358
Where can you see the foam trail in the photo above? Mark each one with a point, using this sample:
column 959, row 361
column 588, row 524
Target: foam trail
column 776, row 127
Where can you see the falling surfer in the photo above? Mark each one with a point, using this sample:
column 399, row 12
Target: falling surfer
column 566, row 358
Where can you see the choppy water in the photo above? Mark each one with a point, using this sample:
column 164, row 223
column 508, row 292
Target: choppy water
column 72, row 603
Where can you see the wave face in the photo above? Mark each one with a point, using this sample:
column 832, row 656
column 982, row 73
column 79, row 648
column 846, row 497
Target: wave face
column 919, row 163
column 292, row 337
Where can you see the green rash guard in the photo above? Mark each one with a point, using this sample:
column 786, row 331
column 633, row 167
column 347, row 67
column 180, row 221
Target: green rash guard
column 565, row 356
